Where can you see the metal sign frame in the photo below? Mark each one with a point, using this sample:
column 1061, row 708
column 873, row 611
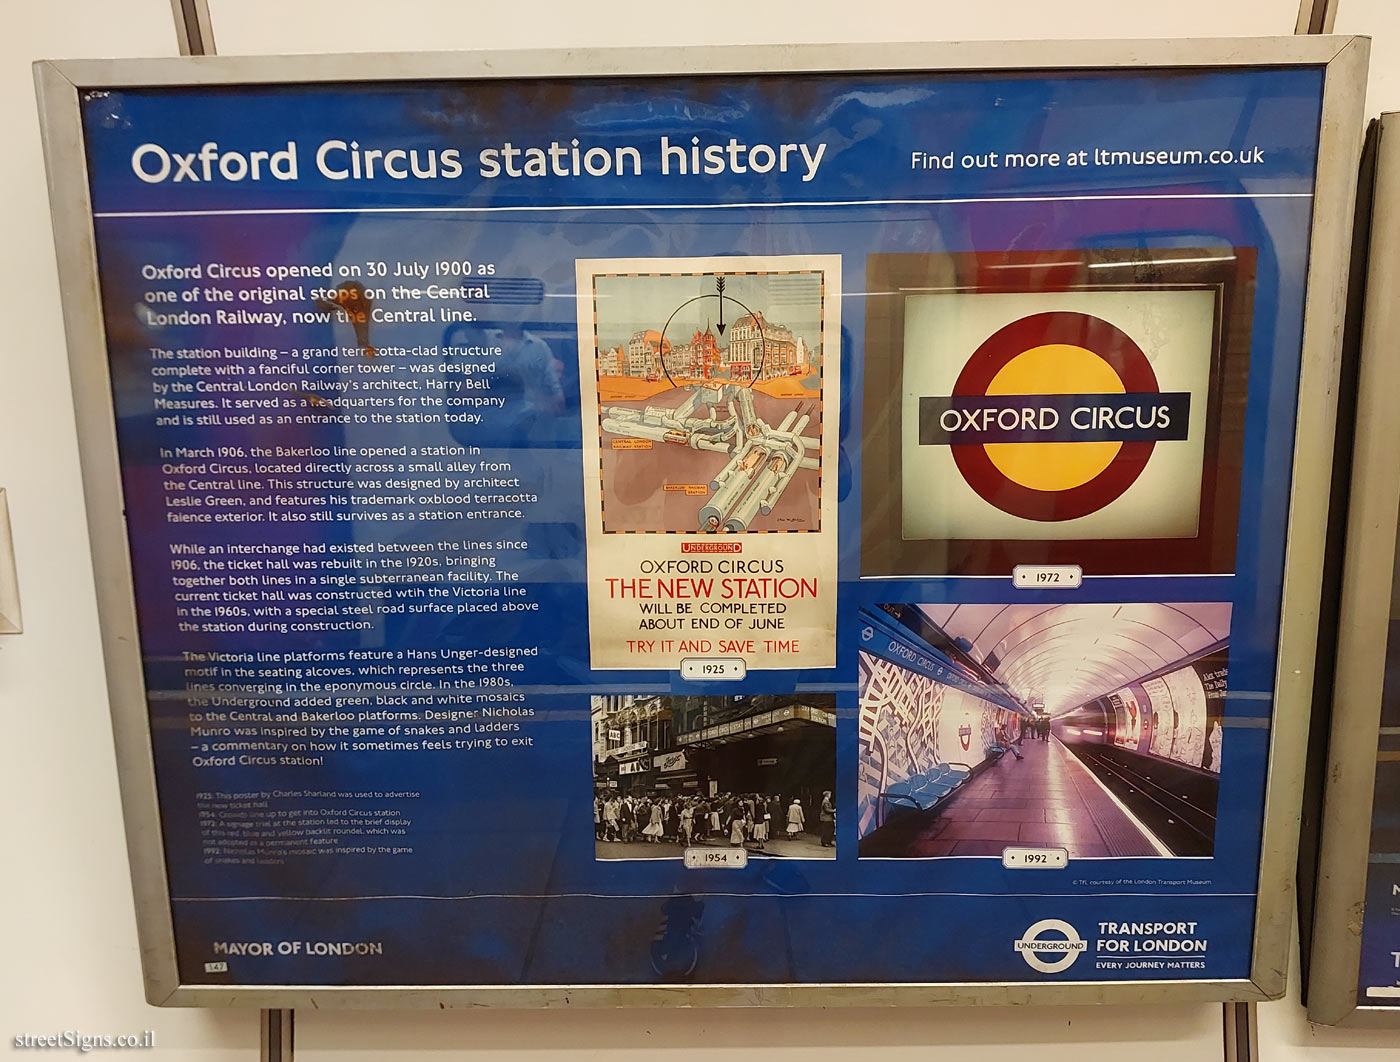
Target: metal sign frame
column 1363, row 627
column 60, row 85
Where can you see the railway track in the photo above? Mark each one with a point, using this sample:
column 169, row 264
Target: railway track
column 1174, row 802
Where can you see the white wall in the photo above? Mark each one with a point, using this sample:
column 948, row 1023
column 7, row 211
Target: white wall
column 72, row 955
column 1177, row 1034
column 260, row 27
column 1380, row 20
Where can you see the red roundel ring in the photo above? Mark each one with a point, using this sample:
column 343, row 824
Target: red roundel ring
column 1111, row 344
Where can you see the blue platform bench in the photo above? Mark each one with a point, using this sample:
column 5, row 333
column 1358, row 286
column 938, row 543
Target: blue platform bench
column 926, row 791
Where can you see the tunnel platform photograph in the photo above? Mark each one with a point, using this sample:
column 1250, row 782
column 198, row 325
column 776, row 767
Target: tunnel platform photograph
column 1091, row 728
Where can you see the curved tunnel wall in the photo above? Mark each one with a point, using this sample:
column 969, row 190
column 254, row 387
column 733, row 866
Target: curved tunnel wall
column 1146, row 724
column 1174, row 716
column 1069, row 654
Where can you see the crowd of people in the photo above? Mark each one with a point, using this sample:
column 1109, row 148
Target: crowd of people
column 1037, row 728
column 738, row 819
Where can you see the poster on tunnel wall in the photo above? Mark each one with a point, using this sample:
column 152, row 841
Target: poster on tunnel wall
column 696, row 531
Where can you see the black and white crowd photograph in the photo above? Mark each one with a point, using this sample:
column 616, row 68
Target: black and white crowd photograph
column 750, row 772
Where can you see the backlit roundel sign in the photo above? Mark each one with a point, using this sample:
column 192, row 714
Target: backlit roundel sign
column 1054, row 416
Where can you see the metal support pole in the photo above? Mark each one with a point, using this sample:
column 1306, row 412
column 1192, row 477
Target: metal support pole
column 1241, row 1032
column 192, row 27
column 275, row 1035
column 1316, row 16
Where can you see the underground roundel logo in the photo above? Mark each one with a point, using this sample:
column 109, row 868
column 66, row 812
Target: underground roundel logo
column 1054, row 416
column 1054, row 952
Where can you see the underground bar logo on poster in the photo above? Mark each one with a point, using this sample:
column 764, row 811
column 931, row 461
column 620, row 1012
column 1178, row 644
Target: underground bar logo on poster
column 709, row 406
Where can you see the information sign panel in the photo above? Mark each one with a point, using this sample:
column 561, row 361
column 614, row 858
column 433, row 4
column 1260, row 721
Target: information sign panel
column 513, row 477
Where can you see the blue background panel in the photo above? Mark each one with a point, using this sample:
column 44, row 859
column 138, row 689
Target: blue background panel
column 502, row 886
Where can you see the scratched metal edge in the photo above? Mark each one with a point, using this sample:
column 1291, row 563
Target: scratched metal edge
column 730, row 59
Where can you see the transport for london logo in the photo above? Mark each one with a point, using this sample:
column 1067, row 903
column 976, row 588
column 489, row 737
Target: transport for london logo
column 1054, row 416
column 1050, row 954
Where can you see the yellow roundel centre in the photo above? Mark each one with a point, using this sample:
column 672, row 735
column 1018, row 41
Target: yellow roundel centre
column 1054, row 369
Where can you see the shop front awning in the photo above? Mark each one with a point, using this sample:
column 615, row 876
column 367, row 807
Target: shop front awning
column 789, row 717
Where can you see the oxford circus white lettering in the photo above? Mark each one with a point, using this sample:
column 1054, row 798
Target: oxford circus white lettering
column 1090, row 418
column 1007, row 419
column 153, row 164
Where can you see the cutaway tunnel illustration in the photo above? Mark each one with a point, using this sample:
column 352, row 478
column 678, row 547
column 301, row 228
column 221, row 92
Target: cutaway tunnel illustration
column 1093, row 728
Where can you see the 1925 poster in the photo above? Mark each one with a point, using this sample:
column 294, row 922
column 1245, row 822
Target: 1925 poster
column 709, row 381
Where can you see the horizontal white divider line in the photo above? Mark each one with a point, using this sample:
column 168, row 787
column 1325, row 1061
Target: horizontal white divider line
column 695, row 206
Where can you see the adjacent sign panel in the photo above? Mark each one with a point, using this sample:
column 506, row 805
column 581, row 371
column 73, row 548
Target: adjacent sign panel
column 709, row 535
column 1355, row 964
